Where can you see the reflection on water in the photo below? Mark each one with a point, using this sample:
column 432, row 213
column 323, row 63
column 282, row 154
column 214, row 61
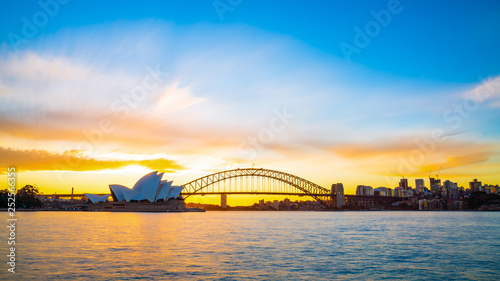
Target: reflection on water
column 257, row 245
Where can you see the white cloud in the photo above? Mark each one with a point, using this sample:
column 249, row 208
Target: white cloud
column 50, row 84
column 32, row 66
column 175, row 99
column 487, row 91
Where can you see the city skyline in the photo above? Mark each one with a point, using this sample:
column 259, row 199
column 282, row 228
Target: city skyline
column 364, row 94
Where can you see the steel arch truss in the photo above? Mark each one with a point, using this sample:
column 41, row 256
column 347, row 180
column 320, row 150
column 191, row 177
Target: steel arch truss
column 304, row 186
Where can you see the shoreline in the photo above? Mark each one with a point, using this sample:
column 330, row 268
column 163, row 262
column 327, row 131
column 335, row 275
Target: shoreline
column 189, row 210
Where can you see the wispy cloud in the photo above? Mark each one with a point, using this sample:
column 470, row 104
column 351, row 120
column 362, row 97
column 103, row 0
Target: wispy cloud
column 42, row 160
column 487, row 91
column 386, row 157
column 175, row 99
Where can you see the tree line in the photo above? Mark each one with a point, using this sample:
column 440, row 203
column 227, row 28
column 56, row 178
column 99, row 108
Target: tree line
column 25, row 198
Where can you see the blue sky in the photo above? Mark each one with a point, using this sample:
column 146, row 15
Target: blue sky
column 453, row 41
column 225, row 76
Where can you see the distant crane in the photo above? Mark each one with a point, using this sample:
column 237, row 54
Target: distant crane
column 440, row 168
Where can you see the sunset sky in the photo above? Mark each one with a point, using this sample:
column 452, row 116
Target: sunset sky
column 359, row 92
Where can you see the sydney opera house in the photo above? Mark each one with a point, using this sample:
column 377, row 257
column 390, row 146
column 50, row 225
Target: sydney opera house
column 149, row 194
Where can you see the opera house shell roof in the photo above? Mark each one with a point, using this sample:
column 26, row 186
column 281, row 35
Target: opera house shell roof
column 94, row 198
column 149, row 188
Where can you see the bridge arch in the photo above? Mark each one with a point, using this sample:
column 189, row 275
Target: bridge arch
column 304, row 186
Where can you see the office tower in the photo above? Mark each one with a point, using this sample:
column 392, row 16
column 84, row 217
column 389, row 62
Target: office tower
column 360, row 190
column 475, row 186
column 451, row 189
column 403, row 183
column 419, row 185
column 383, row 191
column 435, row 184
column 364, row 190
column 390, row 192
column 397, row 192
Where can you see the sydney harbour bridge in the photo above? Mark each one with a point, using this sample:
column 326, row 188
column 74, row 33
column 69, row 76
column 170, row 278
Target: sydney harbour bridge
column 254, row 181
column 259, row 181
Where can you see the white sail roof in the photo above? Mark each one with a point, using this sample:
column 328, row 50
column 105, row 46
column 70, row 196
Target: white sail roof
column 117, row 191
column 175, row 191
column 150, row 187
column 94, row 198
column 163, row 190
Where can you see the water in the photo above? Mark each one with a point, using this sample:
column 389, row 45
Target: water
column 256, row 245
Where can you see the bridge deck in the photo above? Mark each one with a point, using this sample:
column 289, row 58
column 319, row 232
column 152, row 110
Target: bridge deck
column 254, row 193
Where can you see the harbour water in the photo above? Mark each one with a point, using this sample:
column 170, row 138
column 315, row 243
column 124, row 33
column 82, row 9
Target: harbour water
column 256, row 246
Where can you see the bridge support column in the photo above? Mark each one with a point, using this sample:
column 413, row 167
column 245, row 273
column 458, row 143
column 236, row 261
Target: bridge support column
column 223, row 201
column 338, row 195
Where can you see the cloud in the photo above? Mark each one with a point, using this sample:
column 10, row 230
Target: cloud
column 487, row 91
column 175, row 99
column 413, row 156
column 53, row 96
column 41, row 160
column 42, row 68
column 457, row 161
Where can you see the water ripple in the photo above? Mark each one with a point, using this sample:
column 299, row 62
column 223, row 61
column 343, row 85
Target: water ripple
column 257, row 246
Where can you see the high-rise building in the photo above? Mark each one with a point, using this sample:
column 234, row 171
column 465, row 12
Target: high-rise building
column 382, row 190
column 419, row 185
column 360, row 190
column 447, row 185
column 368, row 190
column 486, row 188
column 451, row 189
column 401, row 192
column 389, row 192
column 435, row 184
column 404, row 192
column 223, row 201
column 364, row 190
column 398, row 192
column 403, row 183
column 494, row 188
column 475, row 186
column 338, row 195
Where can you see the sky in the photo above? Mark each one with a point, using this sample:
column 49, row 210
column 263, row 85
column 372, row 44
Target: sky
column 355, row 92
